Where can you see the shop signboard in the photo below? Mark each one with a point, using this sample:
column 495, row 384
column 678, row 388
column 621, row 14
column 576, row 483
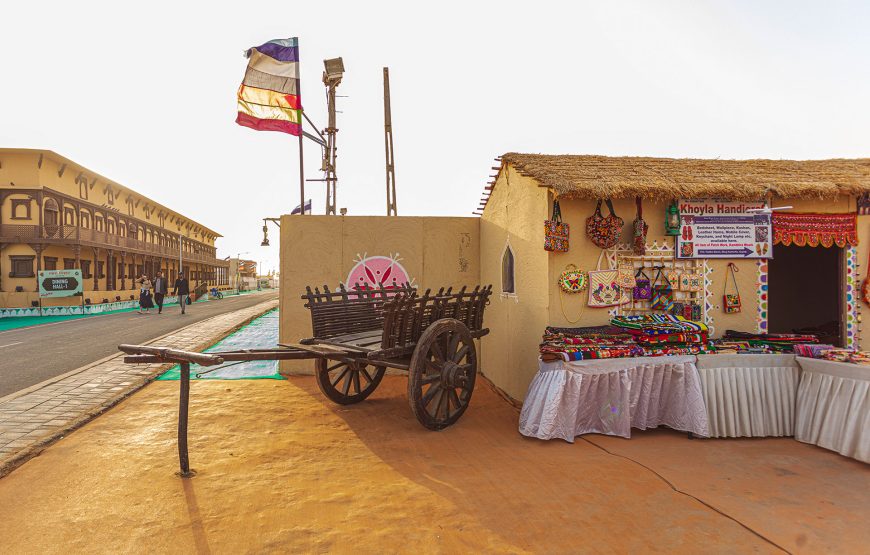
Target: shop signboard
column 723, row 229
column 59, row 283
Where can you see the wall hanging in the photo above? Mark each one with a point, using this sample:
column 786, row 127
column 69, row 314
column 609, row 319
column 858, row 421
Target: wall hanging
column 556, row 231
column 663, row 292
column 573, row 280
column 640, row 229
column 625, row 275
column 604, row 231
column 604, row 291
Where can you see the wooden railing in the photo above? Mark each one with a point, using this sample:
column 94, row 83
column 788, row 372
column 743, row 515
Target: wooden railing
column 20, row 233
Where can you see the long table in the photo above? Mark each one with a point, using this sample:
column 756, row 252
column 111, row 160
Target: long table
column 833, row 407
column 611, row 396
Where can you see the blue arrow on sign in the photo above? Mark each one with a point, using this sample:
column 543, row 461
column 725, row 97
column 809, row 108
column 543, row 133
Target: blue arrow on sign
column 735, row 252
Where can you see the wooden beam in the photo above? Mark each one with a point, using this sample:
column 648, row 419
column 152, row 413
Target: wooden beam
column 61, row 170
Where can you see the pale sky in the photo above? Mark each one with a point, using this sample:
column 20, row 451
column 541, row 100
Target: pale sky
column 144, row 93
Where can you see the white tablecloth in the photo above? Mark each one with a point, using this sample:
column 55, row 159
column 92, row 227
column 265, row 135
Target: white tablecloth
column 567, row 399
column 749, row 395
column 833, row 407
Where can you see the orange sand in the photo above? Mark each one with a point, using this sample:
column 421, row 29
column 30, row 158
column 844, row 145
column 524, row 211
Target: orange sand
column 282, row 469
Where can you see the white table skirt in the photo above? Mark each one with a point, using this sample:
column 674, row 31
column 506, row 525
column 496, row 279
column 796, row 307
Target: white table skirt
column 833, row 407
column 611, row 396
column 749, row 395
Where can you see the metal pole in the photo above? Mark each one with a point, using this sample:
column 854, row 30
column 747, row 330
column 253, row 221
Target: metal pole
column 301, row 165
column 179, row 255
column 388, row 148
column 183, row 402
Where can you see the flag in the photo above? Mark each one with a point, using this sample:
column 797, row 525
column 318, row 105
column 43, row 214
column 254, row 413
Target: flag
column 298, row 208
column 269, row 95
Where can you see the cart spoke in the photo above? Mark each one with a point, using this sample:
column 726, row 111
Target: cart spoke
column 430, row 378
column 346, row 387
column 463, row 352
column 340, row 376
column 453, row 345
column 355, row 376
column 334, row 366
column 366, row 374
column 437, row 352
column 455, row 398
column 427, row 397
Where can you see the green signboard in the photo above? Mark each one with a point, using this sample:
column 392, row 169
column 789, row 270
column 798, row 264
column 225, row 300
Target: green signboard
column 60, row 283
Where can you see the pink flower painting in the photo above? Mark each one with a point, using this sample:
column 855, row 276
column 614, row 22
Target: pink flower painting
column 371, row 271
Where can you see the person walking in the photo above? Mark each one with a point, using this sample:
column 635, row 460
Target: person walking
column 182, row 289
column 145, row 300
column 161, row 288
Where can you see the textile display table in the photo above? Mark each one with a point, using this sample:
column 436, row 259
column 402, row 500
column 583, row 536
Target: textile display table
column 611, row 396
column 749, row 395
column 833, row 407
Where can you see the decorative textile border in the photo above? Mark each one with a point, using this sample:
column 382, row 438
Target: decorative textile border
column 815, row 229
column 761, row 288
column 852, row 298
column 708, row 297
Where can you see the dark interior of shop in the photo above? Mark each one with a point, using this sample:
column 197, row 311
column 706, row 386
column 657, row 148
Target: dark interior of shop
column 805, row 292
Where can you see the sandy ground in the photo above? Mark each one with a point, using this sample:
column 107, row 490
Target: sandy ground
column 282, row 469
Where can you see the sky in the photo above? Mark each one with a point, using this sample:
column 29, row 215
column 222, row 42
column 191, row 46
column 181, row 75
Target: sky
column 144, row 94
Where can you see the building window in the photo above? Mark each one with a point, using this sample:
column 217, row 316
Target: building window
column 69, row 216
column 121, row 270
column 131, row 272
column 110, row 196
column 50, row 262
column 86, row 220
column 83, row 188
column 507, row 271
column 100, row 273
column 86, row 269
column 110, row 226
column 20, row 209
column 22, row 266
column 98, row 223
column 69, row 263
column 51, row 215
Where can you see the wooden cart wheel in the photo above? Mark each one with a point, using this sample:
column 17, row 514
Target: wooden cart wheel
column 442, row 373
column 349, row 381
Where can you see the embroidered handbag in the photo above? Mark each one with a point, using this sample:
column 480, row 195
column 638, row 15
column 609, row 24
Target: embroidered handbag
column 573, row 280
column 731, row 302
column 556, row 231
column 687, row 311
column 604, row 291
column 696, row 312
column 640, row 230
column 604, row 231
column 691, row 281
column 643, row 289
column 673, row 277
column 679, row 309
column 662, row 293
column 625, row 275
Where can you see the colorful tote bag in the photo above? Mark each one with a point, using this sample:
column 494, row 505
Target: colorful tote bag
column 643, row 288
column 625, row 275
column 731, row 301
column 662, row 293
column 604, row 291
column 573, row 280
column 556, row 231
column 604, row 231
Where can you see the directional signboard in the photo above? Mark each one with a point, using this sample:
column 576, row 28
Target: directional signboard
column 723, row 229
column 60, row 283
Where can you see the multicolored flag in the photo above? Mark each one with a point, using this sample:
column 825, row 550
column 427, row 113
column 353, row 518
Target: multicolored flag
column 269, row 96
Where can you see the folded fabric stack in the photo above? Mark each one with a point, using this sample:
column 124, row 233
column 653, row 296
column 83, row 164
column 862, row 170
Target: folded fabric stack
column 665, row 334
column 767, row 342
column 587, row 343
column 811, row 350
column 837, row 355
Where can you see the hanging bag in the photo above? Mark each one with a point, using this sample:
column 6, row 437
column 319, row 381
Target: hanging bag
column 604, row 231
column 604, row 291
column 640, row 230
column 691, row 281
column 731, row 302
column 556, row 231
column 663, row 293
column 643, row 288
column 625, row 275
column 573, row 280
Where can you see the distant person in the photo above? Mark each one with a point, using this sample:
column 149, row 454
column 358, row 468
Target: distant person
column 145, row 295
column 161, row 288
column 182, row 289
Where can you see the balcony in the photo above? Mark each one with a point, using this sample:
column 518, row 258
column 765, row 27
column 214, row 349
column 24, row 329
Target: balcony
column 72, row 235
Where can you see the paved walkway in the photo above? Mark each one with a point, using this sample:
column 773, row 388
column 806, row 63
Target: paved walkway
column 32, row 418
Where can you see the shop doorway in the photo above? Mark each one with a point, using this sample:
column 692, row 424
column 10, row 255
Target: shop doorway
column 805, row 293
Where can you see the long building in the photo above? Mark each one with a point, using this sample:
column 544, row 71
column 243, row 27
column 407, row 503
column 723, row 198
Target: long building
column 56, row 214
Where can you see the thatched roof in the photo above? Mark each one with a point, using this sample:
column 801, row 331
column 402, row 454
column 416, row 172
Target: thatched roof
column 667, row 178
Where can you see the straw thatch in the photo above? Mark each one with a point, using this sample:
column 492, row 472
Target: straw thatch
column 670, row 178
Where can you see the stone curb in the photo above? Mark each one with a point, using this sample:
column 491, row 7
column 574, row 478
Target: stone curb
column 25, row 454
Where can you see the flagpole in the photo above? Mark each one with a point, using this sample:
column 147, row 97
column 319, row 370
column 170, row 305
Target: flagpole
column 301, row 110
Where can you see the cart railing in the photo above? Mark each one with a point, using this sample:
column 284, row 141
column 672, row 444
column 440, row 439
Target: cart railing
column 343, row 311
